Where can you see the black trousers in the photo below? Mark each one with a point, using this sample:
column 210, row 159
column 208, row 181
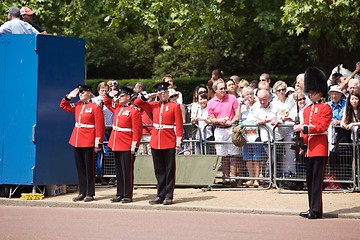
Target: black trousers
column 84, row 159
column 124, row 168
column 315, row 169
column 165, row 167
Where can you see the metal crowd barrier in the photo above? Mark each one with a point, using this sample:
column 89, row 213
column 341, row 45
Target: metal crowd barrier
column 279, row 166
column 290, row 172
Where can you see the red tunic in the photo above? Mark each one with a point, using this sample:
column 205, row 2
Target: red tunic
column 127, row 126
column 146, row 120
column 317, row 117
column 166, row 117
column 89, row 126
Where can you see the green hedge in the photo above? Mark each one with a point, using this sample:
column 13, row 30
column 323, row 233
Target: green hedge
column 184, row 85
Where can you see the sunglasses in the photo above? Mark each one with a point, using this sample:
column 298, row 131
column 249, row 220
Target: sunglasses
column 281, row 90
column 301, row 99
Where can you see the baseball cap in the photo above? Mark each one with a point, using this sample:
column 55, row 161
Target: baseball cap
column 26, row 11
column 14, row 11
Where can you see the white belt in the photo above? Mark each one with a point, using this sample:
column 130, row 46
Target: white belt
column 314, row 134
column 119, row 129
column 81, row 125
column 163, row 126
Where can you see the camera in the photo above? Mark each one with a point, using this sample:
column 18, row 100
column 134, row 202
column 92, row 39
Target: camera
column 298, row 141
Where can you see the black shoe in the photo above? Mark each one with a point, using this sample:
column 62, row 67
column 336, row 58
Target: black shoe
column 126, row 200
column 88, row 198
column 304, row 214
column 313, row 215
column 116, row 199
column 157, row 200
column 80, row 197
column 167, row 201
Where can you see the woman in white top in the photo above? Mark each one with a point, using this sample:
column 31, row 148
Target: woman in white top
column 284, row 105
column 195, row 105
column 351, row 117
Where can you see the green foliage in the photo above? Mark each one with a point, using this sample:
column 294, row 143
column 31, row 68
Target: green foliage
column 337, row 20
column 148, row 38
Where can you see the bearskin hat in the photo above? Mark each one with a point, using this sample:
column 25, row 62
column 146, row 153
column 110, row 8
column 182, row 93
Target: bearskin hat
column 315, row 80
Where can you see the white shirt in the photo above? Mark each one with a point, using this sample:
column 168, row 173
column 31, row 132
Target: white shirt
column 260, row 113
column 17, row 26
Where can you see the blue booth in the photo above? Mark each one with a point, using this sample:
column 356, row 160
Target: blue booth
column 36, row 71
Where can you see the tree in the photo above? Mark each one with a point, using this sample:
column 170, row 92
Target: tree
column 331, row 27
column 147, row 38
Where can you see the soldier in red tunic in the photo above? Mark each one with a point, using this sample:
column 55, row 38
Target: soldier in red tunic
column 166, row 137
column 124, row 141
column 317, row 118
column 87, row 137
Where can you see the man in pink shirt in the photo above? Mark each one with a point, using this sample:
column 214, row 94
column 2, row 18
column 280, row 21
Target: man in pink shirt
column 223, row 112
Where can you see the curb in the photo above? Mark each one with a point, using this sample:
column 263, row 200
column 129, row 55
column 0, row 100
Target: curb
column 44, row 203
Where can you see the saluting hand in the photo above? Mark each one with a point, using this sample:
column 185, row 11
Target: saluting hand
column 73, row 93
column 153, row 95
column 113, row 93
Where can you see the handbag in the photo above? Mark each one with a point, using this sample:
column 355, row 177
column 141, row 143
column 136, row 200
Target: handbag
column 237, row 136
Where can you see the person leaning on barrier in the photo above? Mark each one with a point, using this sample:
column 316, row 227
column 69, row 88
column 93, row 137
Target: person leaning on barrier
column 223, row 110
column 266, row 114
column 15, row 25
column 351, row 117
column 200, row 119
column 124, row 141
column 317, row 118
column 337, row 104
column 195, row 105
column 87, row 137
column 252, row 154
column 284, row 105
column 165, row 140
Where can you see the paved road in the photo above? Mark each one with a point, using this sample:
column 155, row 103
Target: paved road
column 83, row 223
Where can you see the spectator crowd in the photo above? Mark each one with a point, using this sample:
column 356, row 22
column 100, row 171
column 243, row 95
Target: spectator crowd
column 268, row 112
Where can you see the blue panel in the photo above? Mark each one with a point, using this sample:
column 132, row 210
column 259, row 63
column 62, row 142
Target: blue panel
column 20, row 108
column 36, row 72
column 61, row 68
column 2, row 102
